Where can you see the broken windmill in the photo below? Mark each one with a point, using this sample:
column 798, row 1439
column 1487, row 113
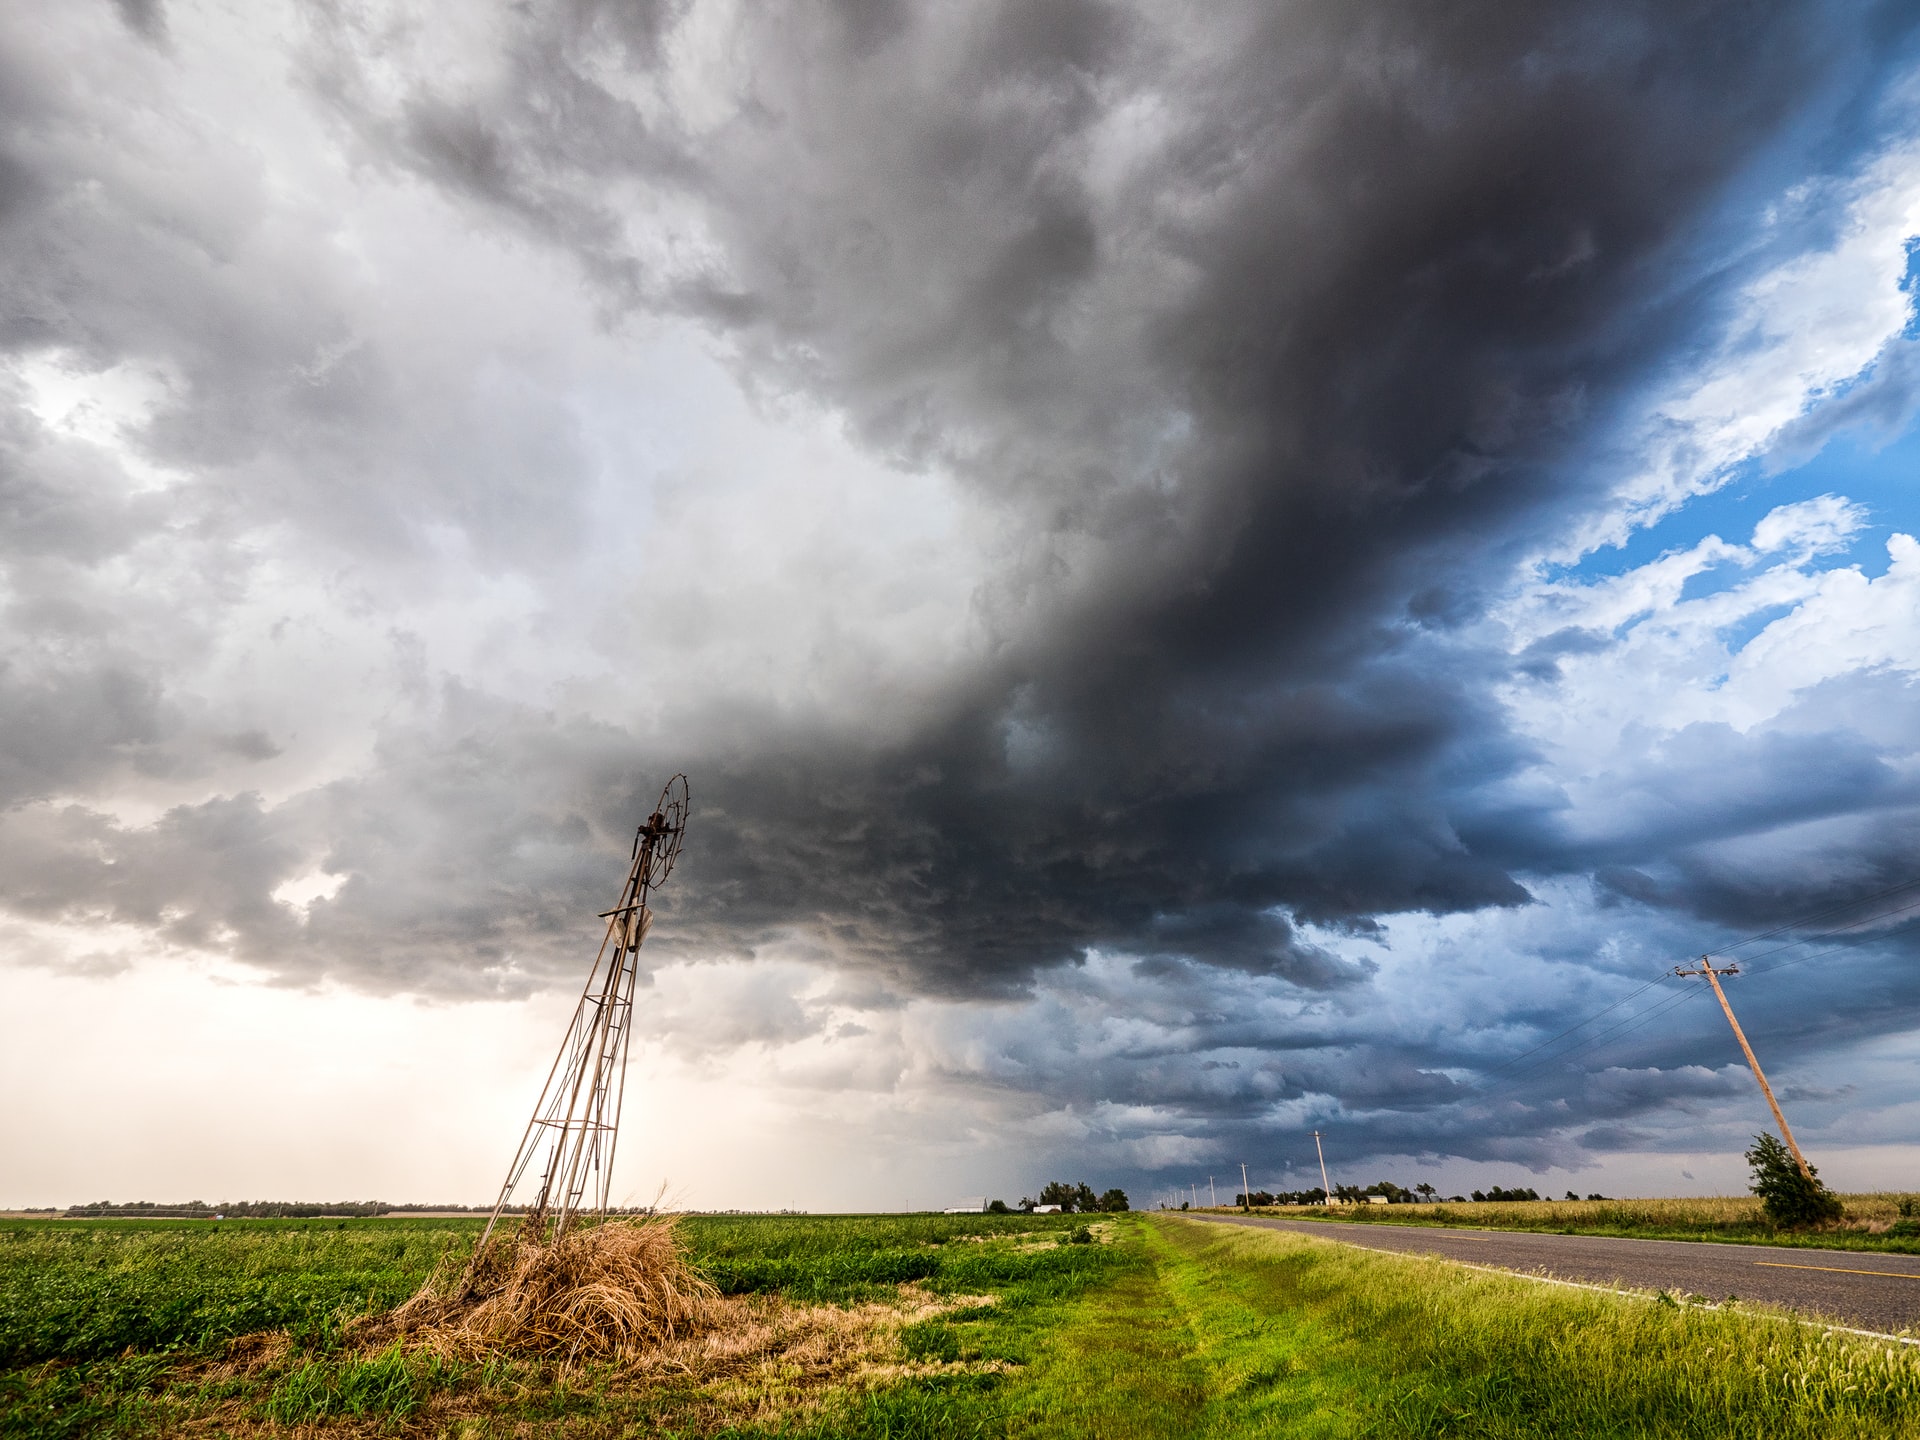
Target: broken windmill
column 576, row 1122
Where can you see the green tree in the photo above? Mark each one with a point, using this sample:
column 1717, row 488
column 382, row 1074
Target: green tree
column 1114, row 1201
column 1790, row 1199
column 1070, row 1198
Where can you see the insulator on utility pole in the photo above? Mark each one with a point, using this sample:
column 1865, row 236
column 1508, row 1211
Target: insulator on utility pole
column 1713, row 979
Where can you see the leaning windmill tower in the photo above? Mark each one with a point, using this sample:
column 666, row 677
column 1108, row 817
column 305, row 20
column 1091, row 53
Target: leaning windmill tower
column 576, row 1122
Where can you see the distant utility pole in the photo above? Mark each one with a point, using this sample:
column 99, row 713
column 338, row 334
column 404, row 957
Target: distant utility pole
column 1195, row 1187
column 1246, row 1190
column 1713, row 979
column 1325, row 1188
column 1213, row 1195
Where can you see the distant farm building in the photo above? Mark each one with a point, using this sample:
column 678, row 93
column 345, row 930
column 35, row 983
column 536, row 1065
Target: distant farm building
column 971, row 1205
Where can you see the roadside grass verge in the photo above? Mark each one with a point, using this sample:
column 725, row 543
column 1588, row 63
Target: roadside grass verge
column 1304, row 1336
column 1872, row 1222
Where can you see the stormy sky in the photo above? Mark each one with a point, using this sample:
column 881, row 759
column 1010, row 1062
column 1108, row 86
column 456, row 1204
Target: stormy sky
column 1215, row 571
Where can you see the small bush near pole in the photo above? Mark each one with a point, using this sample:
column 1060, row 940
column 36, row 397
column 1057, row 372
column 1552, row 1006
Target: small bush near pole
column 1790, row 1199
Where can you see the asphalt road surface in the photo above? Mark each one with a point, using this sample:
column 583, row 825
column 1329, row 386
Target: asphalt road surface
column 1849, row 1287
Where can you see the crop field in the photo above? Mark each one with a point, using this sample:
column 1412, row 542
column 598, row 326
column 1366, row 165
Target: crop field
column 1883, row 1220
column 913, row 1326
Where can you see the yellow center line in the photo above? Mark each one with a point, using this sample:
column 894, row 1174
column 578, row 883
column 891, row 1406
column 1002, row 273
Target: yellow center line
column 1836, row 1269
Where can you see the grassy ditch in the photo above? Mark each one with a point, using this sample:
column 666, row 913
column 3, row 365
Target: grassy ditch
column 1879, row 1221
column 969, row 1326
column 1305, row 1337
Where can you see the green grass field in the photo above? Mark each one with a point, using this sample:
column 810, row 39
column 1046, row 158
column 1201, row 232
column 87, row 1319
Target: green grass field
column 1886, row 1221
column 911, row 1326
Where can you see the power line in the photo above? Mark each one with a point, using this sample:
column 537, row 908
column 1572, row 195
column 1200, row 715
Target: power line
column 1616, row 1031
column 1635, row 1022
column 1803, row 921
column 1625, row 1023
column 1580, row 1024
column 1846, row 944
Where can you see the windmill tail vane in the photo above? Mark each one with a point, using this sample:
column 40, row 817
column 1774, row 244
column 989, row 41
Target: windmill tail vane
column 576, row 1122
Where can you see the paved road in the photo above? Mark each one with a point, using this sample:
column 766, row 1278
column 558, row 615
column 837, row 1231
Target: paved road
column 1850, row 1287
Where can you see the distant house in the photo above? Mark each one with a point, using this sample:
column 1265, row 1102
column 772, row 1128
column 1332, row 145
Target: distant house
column 1376, row 1200
column 971, row 1205
column 1046, row 1209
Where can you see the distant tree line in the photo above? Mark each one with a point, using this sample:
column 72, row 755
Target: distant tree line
column 1072, row 1199
column 1315, row 1196
column 1421, row 1194
column 1353, row 1194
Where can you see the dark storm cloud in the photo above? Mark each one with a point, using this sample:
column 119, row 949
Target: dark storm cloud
column 1278, row 329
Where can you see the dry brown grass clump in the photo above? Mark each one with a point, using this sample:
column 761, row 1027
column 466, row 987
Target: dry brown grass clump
column 613, row 1291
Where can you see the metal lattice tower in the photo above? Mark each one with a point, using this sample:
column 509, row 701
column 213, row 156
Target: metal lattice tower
column 577, row 1120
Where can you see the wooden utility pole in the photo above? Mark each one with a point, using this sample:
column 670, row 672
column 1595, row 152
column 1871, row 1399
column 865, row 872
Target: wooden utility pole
column 1325, row 1188
column 1713, row 979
